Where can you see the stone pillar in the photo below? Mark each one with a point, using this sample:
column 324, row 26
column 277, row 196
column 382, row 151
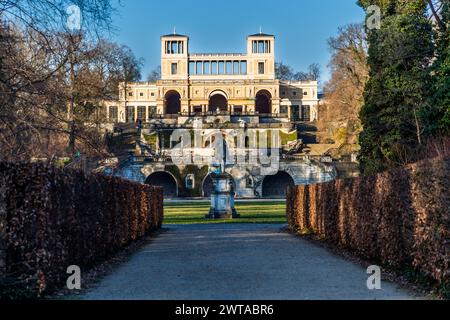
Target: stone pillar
column 160, row 107
column 121, row 112
column 275, row 106
column 222, row 198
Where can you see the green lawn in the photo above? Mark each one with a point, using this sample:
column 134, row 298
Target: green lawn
column 251, row 212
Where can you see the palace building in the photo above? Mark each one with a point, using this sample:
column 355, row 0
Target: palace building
column 225, row 84
column 227, row 93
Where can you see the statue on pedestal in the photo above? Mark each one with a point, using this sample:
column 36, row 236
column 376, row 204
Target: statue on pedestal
column 223, row 193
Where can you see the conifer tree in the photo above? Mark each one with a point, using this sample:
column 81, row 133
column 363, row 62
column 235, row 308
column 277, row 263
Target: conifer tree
column 400, row 53
column 437, row 114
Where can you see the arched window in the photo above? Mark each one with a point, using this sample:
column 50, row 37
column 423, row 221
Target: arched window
column 275, row 186
column 263, row 103
column 173, row 102
column 218, row 101
column 164, row 180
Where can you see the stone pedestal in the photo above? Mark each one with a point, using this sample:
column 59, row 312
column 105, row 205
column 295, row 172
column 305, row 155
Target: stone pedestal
column 222, row 198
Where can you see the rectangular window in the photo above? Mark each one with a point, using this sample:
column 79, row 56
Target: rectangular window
column 199, row 67
column 174, row 47
column 197, row 109
column 306, row 113
column 141, row 113
column 130, row 114
column 174, row 68
column 229, row 68
column 295, row 113
column 261, row 68
column 221, row 67
column 255, row 47
column 192, row 67
column 206, row 66
column 238, row 109
column 151, row 112
column 236, row 67
column 214, row 67
column 244, row 67
column 113, row 114
column 260, row 46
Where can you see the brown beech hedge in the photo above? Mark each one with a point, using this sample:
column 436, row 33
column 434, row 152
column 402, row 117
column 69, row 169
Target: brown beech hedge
column 400, row 218
column 52, row 218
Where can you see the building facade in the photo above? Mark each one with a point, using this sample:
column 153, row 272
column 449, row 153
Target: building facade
column 225, row 84
column 227, row 94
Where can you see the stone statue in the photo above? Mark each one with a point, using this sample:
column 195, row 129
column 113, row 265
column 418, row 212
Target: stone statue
column 222, row 195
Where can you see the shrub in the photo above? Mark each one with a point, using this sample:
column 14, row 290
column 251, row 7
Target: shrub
column 52, row 218
column 400, row 218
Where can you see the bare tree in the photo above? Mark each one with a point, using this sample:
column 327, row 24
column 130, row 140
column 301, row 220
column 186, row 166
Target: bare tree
column 39, row 53
column 154, row 75
column 314, row 72
column 434, row 10
column 343, row 93
column 286, row 73
column 49, row 16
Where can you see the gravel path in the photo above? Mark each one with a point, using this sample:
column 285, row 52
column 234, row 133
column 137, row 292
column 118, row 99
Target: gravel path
column 234, row 262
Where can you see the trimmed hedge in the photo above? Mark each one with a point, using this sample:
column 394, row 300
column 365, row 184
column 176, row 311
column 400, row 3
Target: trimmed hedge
column 400, row 218
column 52, row 218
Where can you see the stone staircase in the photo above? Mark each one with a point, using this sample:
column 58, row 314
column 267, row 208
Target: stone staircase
column 307, row 132
column 124, row 140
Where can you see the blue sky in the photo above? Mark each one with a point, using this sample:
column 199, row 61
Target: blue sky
column 301, row 27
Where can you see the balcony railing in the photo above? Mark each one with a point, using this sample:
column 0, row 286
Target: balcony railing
column 220, row 113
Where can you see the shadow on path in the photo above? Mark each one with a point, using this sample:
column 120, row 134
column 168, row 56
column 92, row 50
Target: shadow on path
column 237, row 262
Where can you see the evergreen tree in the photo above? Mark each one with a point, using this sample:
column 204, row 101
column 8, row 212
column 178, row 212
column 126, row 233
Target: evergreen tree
column 437, row 114
column 395, row 95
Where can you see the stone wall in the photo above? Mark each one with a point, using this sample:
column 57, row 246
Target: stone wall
column 301, row 172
